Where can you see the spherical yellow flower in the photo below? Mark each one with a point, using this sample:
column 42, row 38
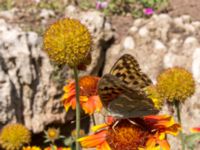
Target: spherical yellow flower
column 14, row 136
column 175, row 84
column 154, row 96
column 67, row 41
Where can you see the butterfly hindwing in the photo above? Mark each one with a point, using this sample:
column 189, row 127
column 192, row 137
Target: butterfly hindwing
column 109, row 88
column 126, row 107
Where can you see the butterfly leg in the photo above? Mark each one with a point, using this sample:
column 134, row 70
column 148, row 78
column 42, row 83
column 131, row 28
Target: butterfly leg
column 114, row 125
column 131, row 121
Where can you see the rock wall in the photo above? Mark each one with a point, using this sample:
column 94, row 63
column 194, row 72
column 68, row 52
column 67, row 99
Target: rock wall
column 25, row 85
column 28, row 92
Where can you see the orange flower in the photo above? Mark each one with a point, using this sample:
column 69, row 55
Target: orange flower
column 195, row 130
column 31, row 148
column 57, row 148
column 148, row 133
column 89, row 99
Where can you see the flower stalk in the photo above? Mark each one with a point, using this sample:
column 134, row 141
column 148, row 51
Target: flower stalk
column 177, row 106
column 93, row 119
column 77, row 107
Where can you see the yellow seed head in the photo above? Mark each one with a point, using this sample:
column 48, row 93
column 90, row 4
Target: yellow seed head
column 14, row 136
column 175, row 84
column 67, row 41
column 154, row 96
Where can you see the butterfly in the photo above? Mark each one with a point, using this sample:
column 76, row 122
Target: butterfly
column 122, row 90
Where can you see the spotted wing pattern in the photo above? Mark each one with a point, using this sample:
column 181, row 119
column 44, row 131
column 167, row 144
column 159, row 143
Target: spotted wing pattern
column 127, row 70
column 121, row 90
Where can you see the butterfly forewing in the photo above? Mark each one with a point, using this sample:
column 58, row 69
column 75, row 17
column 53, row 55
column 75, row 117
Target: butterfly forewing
column 127, row 70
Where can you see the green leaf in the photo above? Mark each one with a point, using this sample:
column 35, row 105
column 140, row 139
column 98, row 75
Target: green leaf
column 62, row 137
column 192, row 139
column 47, row 141
column 68, row 141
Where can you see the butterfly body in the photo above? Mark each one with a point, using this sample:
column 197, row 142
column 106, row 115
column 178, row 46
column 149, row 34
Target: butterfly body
column 122, row 90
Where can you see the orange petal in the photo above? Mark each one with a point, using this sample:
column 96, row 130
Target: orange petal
column 100, row 126
column 73, row 102
column 67, row 88
column 195, row 130
column 164, row 144
column 159, row 120
column 92, row 104
column 163, row 123
column 89, row 106
column 94, row 140
column 104, row 146
column 83, row 98
column 67, row 105
column 68, row 95
column 110, row 120
column 151, row 143
column 97, row 102
column 174, row 129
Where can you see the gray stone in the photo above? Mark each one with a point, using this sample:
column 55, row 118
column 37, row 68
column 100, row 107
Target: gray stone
column 128, row 43
column 196, row 64
column 143, row 32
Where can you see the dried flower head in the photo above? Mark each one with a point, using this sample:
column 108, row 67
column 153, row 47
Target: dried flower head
column 14, row 136
column 67, row 41
column 126, row 136
column 175, row 84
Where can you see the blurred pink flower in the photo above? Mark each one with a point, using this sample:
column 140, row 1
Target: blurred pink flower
column 36, row 1
column 101, row 5
column 148, row 11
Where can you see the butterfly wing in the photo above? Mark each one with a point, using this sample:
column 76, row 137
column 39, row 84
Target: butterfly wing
column 121, row 91
column 122, row 101
column 127, row 70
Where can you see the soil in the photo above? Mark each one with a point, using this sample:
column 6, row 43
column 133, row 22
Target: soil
column 120, row 23
column 176, row 8
column 188, row 7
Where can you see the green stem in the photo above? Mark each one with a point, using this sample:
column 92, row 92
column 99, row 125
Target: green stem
column 77, row 108
column 52, row 146
column 93, row 120
column 177, row 105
